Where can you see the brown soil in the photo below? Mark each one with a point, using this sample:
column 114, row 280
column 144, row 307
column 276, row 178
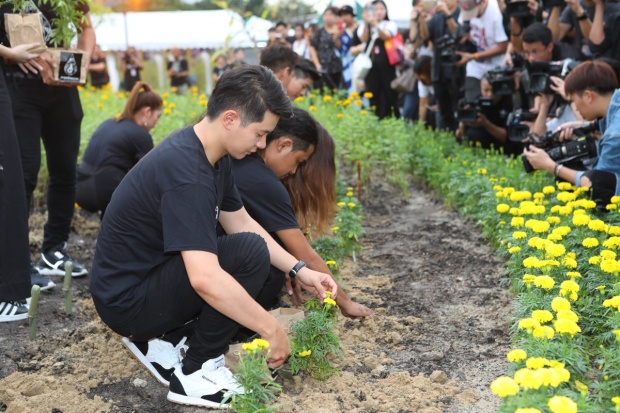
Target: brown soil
column 438, row 336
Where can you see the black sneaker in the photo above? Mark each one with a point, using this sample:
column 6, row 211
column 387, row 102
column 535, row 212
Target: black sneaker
column 53, row 263
column 208, row 386
column 158, row 356
column 37, row 279
column 13, row 311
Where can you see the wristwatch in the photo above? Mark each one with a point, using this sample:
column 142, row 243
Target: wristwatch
column 293, row 272
column 583, row 16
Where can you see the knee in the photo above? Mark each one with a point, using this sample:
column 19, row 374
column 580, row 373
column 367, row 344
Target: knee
column 253, row 252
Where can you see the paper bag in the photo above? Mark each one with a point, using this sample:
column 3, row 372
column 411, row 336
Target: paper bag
column 71, row 65
column 25, row 29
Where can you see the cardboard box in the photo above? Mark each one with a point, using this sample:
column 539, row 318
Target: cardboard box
column 287, row 316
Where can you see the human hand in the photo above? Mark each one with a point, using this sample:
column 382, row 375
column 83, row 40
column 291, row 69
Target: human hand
column 279, row 347
column 465, row 57
column 546, row 99
column 481, row 121
column 538, row 158
column 566, row 129
column 575, row 6
column 442, row 7
column 293, row 289
column 414, row 14
column 354, row 310
column 533, row 5
column 24, row 52
column 557, row 85
column 508, row 60
column 317, row 282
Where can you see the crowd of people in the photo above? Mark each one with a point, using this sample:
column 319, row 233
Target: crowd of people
column 217, row 213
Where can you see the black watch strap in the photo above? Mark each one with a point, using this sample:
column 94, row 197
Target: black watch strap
column 293, row 272
column 583, row 16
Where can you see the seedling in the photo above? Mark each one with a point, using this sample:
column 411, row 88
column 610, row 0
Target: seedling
column 66, row 288
column 32, row 310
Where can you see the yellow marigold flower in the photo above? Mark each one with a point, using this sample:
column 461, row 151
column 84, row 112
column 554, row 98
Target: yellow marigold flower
column 548, row 190
column 563, row 326
column 562, row 404
column 249, row 347
column 569, row 262
column 517, row 222
column 543, row 332
column 328, row 293
column 544, row 281
column 539, row 195
column 615, row 199
column 601, row 288
column 566, row 196
column 514, row 250
column 617, row 333
column 565, row 210
column 497, row 187
column 528, row 379
column 567, row 315
column 560, row 304
column 340, row 115
column 590, row 242
column 482, row 171
column 305, row 353
column 616, row 400
column 203, row 102
column 341, row 204
column 570, row 285
column 563, row 230
column 612, row 242
column 351, row 204
column 553, row 220
column 529, row 278
column 531, row 262
column 554, row 237
column 535, row 363
column 516, row 355
column 527, row 410
column 312, row 95
column 99, row 105
column 573, row 274
column 564, row 186
column 555, row 376
column 597, row 225
column 331, row 263
column 580, row 220
column 540, row 227
column 504, row 386
column 299, row 99
column 329, row 301
column 519, row 234
column 312, row 108
column 594, row 260
column 614, row 230
column 261, row 342
column 336, row 229
column 104, row 97
column 172, row 105
column 502, row 208
column 613, row 302
column 550, row 263
column 528, row 323
column 555, row 250
column 364, row 112
column 327, row 98
column 542, row 315
column 368, row 95
column 608, row 255
column 167, row 111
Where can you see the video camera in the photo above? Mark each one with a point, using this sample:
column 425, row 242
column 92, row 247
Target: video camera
column 541, row 72
column 562, row 152
column 517, row 8
column 448, row 45
column 468, row 111
column 517, row 131
column 502, row 80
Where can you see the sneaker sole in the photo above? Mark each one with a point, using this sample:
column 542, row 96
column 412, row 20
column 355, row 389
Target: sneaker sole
column 60, row 273
column 194, row 401
column 49, row 286
column 9, row 318
column 145, row 362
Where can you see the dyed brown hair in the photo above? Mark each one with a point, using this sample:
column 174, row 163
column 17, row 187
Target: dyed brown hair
column 596, row 76
column 142, row 95
column 313, row 188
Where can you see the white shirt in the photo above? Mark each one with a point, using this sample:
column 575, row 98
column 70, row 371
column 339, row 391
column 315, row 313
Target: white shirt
column 424, row 91
column 301, row 48
column 486, row 32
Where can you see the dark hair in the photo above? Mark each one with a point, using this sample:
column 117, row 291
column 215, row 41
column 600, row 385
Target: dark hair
column 313, row 187
column 596, row 76
column 281, row 23
column 271, row 29
column 251, row 90
column 387, row 17
column 301, row 128
column 305, row 69
column 278, row 56
column 299, row 25
column 537, row 32
column 335, row 10
column 422, row 65
column 141, row 95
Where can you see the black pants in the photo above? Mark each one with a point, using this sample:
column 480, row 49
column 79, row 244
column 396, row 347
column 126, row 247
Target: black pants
column 170, row 301
column 52, row 114
column 446, row 96
column 14, row 247
column 95, row 186
column 603, row 186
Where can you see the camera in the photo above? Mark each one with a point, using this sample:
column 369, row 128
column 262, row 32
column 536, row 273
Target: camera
column 502, row 80
column 548, row 4
column 517, row 8
column 540, row 74
column 468, row 111
column 448, row 45
column 517, row 131
column 562, row 152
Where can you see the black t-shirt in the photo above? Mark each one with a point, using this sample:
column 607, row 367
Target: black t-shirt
column 263, row 194
column 437, row 28
column 120, row 144
column 169, row 202
column 179, row 66
column 497, row 114
column 610, row 47
column 99, row 78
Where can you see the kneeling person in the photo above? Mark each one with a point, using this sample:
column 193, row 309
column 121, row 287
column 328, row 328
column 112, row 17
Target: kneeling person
column 159, row 263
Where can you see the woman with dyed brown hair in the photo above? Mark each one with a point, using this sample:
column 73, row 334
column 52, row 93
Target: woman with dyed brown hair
column 115, row 147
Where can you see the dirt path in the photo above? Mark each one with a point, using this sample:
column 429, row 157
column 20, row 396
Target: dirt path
column 437, row 338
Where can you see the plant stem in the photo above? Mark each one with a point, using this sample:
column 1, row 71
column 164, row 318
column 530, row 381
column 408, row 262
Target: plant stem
column 32, row 310
column 66, row 287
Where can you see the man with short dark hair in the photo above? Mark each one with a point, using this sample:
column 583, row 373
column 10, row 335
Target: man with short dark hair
column 304, row 76
column 159, row 263
column 281, row 59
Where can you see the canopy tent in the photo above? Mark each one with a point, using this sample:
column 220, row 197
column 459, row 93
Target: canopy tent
column 184, row 29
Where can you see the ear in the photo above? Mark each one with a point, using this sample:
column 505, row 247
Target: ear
column 550, row 47
column 284, row 143
column 229, row 118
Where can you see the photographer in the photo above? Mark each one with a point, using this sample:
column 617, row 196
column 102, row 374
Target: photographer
column 571, row 24
column 422, row 69
column 489, row 128
column 592, row 87
column 445, row 76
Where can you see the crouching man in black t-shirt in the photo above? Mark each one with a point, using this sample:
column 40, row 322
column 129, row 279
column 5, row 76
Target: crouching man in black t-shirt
column 257, row 176
column 159, row 263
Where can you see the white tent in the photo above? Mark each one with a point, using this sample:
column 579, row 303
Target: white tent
column 162, row 30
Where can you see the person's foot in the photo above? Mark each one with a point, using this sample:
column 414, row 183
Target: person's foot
column 53, row 262
column 159, row 356
column 13, row 311
column 37, row 279
column 207, row 386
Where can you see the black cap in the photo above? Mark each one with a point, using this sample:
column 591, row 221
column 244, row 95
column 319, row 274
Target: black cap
column 346, row 10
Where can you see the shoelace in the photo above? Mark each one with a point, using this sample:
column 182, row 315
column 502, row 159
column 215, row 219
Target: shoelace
column 180, row 349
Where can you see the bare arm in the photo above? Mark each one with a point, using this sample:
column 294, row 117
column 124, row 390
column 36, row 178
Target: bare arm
column 554, row 23
column 87, row 38
column 597, row 32
column 423, row 109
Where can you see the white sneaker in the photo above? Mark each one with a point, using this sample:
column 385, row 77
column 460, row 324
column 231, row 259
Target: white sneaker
column 13, row 311
column 206, row 387
column 160, row 358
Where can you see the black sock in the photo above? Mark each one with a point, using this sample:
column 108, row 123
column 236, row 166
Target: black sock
column 190, row 367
